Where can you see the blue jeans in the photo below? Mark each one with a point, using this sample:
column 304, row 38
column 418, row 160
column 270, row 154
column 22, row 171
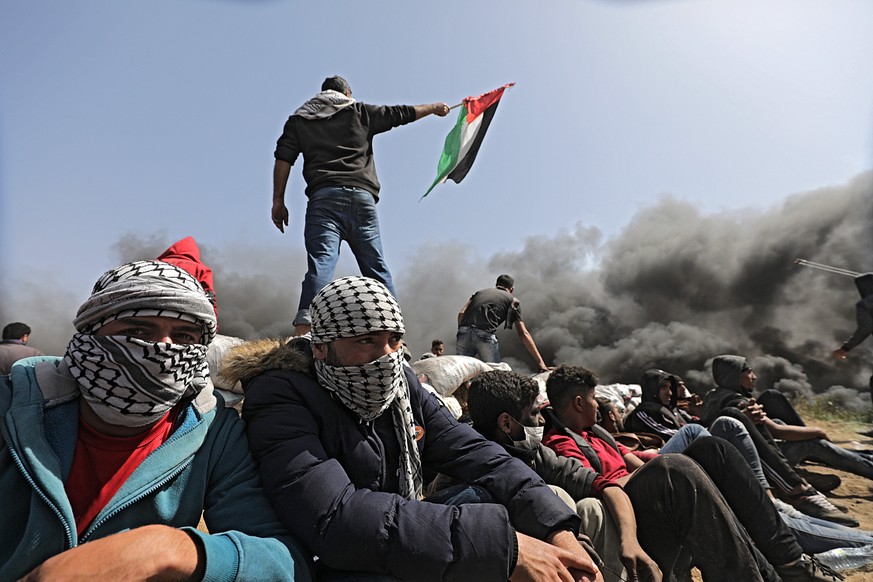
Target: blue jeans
column 817, row 535
column 477, row 343
column 827, row 453
column 724, row 427
column 683, row 437
column 335, row 214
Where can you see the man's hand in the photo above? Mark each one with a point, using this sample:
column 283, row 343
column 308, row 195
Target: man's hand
column 280, row 216
column 562, row 559
column 440, row 109
column 638, row 564
column 152, row 552
column 841, row 354
column 754, row 411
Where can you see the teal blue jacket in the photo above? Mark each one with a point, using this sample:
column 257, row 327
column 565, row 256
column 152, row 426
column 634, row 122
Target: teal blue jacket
column 205, row 466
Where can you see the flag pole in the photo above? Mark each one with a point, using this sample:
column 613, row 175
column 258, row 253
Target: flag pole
column 456, row 106
column 827, row 268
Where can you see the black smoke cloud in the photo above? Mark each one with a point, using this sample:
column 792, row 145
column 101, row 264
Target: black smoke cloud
column 673, row 289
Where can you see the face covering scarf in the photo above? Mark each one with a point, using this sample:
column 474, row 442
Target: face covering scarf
column 131, row 382
column 353, row 306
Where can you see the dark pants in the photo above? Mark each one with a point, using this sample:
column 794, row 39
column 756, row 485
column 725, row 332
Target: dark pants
column 777, row 406
column 679, row 512
column 454, row 495
column 735, row 480
column 777, row 469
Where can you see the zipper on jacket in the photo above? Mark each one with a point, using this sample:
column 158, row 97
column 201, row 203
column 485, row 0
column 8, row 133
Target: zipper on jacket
column 173, row 437
column 14, row 454
column 93, row 527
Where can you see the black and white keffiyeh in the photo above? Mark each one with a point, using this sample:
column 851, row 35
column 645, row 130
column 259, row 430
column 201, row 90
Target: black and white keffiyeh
column 131, row 382
column 154, row 286
column 128, row 381
column 353, row 306
column 325, row 104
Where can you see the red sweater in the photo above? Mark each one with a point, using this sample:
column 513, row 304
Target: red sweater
column 613, row 465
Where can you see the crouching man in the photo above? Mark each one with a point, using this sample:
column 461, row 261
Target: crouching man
column 110, row 455
column 345, row 443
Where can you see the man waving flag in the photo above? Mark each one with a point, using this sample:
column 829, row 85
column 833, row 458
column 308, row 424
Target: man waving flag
column 463, row 142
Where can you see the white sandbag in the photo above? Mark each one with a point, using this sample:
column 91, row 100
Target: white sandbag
column 447, row 373
column 624, row 396
column 543, row 398
column 450, row 402
column 220, row 346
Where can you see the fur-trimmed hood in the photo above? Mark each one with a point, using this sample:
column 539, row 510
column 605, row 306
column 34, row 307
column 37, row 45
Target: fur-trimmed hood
column 255, row 357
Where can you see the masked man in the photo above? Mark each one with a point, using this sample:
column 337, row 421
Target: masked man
column 110, row 455
column 347, row 440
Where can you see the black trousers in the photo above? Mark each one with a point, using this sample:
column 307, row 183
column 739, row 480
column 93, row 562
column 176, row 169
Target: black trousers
column 680, row 512
column 734, row 479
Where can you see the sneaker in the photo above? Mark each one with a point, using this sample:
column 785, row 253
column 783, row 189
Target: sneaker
column 826, row 482
column 808, row 569
column 814, row 504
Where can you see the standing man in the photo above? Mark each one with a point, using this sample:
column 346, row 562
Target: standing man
column 480, row 317
column 14, row 346
column 334, row 132
column 112, row 453
column 346, row 437
column 863, row 318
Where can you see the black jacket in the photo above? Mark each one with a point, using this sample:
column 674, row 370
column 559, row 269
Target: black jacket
column 338, row 150
column 651, row 416
column 325, row 473
column 726, row 372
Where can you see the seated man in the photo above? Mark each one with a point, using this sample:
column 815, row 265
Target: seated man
column 111, row 454
column 813, row 534
column 735, row 382
column 345, row 442
column 720, row 548
column 502, row 407
column 659, row 413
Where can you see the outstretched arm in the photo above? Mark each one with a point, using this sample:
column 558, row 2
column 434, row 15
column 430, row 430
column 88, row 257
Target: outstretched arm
column 440, row 109
column 790, row 432
column 530, row 346
column 281, row 171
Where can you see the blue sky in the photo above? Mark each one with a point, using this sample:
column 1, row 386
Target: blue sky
column 161, row 116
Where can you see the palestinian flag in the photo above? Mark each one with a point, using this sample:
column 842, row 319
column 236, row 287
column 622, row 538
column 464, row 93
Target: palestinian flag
column 463, row 142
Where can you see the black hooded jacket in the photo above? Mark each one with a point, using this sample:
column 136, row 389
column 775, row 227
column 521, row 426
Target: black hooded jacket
column 726, row 372
column 863, row 312
column 651, row 416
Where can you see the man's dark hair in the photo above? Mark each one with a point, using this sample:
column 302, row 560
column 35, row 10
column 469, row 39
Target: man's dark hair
column 494, row 393
column 437, row 343
column 505, row 281
column 336, row 83
column 15, row 331
column 566, row 382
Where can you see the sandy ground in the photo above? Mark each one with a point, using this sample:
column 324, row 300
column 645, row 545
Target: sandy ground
column 856, row 493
